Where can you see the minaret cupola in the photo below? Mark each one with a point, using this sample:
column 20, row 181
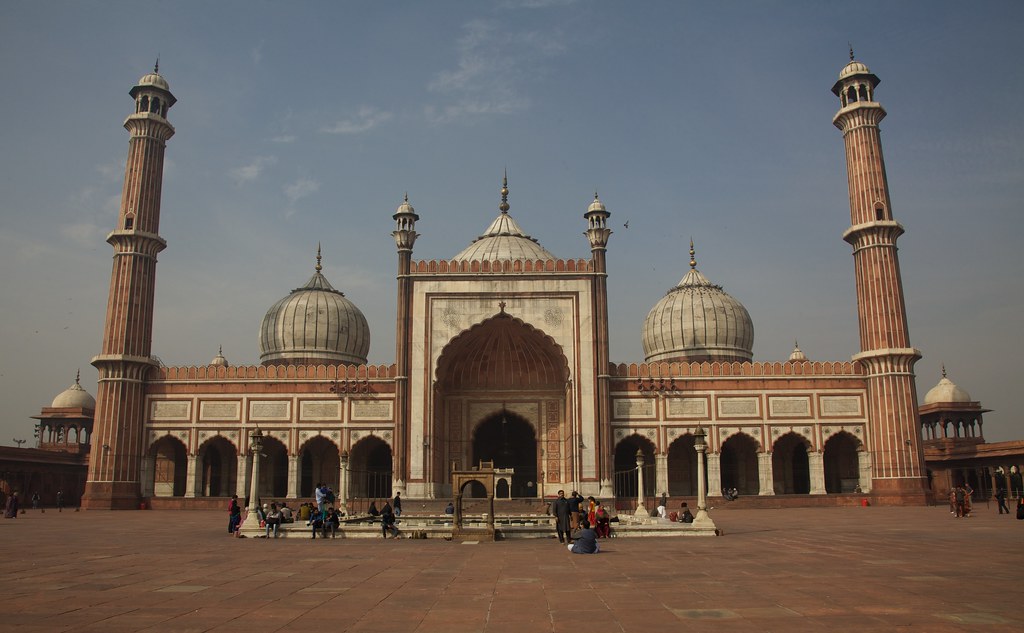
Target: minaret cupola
column 152, row 94
column 597, row 217
column 856, row 83
column 405, row 226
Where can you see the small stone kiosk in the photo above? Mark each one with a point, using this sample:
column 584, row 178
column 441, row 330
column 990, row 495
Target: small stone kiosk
column 484, row 474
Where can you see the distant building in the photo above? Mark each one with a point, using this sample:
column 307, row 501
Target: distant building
column 58, row 462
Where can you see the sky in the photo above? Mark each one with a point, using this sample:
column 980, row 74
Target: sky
column 307, row 122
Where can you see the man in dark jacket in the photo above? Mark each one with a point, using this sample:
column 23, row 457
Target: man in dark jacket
column 560, row 510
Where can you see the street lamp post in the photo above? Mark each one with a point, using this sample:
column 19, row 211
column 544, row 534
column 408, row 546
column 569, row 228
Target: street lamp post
column 641, row 509
column 700, row 444
column 252, row 521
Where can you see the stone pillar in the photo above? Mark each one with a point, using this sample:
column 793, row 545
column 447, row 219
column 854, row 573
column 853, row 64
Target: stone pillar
column 714, row 474
column 343, row 482
column 864, row 462
column 192, row 477
column 765, row 475
column 641, row 509
column 661, row 473
column 816, row 462
column 293, row 476
column 242, row 481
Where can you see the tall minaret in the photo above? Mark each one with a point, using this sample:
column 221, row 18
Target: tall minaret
column 118, row 435
column 405, row 237
column 597, row 234
column 897, row 460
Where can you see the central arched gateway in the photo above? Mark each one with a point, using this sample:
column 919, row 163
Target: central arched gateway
column 500, row 396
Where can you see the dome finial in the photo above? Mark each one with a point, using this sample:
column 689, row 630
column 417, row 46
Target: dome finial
column 407, row 196
column 220, row 350
column 851, row 51
column 156, row 66
column 693, row 260
column 318, row 267
column 943, row 370
column 78, row 375
column 504, row 193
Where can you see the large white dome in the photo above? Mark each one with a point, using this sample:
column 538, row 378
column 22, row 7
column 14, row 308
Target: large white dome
column 315, row 324
column 698, row 321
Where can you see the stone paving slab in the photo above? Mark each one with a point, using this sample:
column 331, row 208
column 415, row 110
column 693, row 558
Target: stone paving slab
column 803, row 569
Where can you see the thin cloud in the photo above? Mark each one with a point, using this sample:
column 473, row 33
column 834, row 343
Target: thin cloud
column 364, row 120
column 249, row 173
column 491, row 71
column 283, row 138
column 298, row 190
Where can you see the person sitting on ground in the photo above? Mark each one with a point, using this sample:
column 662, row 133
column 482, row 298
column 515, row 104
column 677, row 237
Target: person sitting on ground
column 332, row 522
column 685, row 516
column 585, row 542
column 602, row 525
column 273, row 520
column 286, row 513
column 373, row 511
column 316, row 521
column 387, row 521
column 450, row 508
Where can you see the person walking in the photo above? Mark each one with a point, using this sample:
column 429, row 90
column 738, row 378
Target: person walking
column 397, row 504
column 560, row 510
column 320, row 497
column 11, row 510
column 1001, row 498
column 60, row 501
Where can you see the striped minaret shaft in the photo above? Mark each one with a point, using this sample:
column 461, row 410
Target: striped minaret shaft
column 118, row 440
column 886, row 354
column 405, row 238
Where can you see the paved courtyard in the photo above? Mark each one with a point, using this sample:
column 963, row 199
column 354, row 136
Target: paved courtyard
column 834, row 569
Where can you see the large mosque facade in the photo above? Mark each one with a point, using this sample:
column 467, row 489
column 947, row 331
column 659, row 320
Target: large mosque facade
column 502, row 355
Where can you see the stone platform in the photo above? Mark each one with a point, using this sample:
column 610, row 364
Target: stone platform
column 805, row 569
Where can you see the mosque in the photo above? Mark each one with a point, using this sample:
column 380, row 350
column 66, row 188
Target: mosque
column 502, row 355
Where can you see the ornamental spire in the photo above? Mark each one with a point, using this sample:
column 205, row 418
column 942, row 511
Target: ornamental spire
column 851, row 51
column 504, row 193
column 693, row 260
column 318, row 267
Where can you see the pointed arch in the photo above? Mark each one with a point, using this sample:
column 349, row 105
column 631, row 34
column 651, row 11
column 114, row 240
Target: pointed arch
column 739, row 465
column 626, row 482
column 218, row 461
column 790, row 464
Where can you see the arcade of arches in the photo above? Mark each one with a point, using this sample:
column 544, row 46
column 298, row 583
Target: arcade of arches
column 221, row 472
column 792, row 467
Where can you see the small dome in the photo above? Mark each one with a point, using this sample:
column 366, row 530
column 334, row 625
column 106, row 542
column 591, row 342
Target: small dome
column 853, row 68
column 314, row 324
column 946, row 391
column 219, row 359
column 596, row 206
column 797, row 354
column 503, row 240
column 405, row 207
column 698, row 321
column 155, row 80
column 74, row 397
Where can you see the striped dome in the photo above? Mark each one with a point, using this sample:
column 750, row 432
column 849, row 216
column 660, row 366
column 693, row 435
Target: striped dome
column 698, row 321
column 315, row 324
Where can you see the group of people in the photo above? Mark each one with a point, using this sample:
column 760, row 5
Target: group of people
column 960, row 504
column 388, row 515
column 580, row 522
